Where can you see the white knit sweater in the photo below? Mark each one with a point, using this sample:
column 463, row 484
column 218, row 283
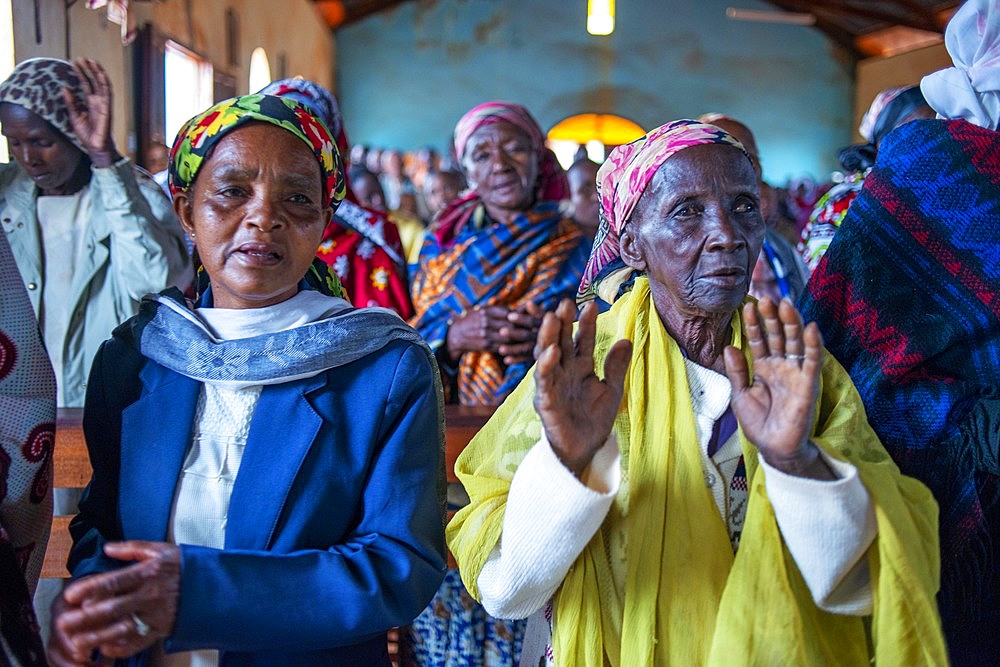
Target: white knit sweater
column 827, row 525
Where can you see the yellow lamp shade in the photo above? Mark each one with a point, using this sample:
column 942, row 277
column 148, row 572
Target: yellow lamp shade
column 600, row 17
column 608, row 129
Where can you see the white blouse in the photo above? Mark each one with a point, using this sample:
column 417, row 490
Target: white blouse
column 222, row 424
column 61, row 219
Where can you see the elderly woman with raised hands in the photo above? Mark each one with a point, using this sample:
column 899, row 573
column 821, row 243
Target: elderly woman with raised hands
column 497, row 258
column 267, row 462
column 90, row 233
column 716, row 495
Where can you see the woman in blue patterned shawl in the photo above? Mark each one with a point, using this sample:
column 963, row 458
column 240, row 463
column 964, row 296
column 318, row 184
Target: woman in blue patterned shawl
column 908, row 300
column 498, row 257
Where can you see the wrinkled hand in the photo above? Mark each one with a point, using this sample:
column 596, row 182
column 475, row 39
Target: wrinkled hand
column 776, row 411
column 509, row 333
column 90, row 115
column 477, row 331
column 99, row 612
column 577, row 409
column 520, row 333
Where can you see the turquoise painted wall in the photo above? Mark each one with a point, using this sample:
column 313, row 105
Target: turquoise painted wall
column 406, row 76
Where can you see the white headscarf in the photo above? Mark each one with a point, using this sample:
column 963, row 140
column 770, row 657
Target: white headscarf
column 970, row 89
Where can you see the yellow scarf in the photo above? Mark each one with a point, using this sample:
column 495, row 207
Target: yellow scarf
column 687, row 600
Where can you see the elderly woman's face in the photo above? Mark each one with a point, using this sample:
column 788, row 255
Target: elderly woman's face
column 48, row 157
column 697, row 230
column 256, row 213
column 502, row 166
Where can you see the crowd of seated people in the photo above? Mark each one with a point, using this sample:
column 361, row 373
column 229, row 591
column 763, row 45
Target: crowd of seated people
column 705, row 442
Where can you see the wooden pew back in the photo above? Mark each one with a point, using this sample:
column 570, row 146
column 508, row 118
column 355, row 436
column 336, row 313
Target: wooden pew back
column 70, row 470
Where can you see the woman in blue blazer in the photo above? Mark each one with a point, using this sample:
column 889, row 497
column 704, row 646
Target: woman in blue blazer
column 268, row 463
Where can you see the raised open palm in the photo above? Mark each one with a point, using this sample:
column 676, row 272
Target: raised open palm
column 576, row 407
column 776, row 411
column 90, row 113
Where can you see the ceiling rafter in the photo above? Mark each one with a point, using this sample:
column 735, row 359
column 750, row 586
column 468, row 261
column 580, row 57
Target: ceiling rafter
column 902, row 16
column 842, row 21
column 339, row 13
column 933, row 17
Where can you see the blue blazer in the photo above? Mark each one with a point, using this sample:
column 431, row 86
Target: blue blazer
column 335, row 530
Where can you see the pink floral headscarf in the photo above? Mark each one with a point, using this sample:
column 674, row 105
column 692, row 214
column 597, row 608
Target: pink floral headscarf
column 621, row 180
column 551, row 183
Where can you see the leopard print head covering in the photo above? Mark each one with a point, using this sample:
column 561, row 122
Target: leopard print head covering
column 37, row 84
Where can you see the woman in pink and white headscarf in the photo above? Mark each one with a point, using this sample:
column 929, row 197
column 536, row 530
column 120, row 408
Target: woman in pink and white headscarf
column 493, row 262
column 718, row 496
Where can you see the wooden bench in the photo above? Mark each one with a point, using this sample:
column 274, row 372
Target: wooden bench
column 461, row 424
column 71, row 468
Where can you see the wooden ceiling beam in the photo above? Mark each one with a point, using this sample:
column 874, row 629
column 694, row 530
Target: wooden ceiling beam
column 906, row 18
column 355, row 10
column 933, row 15
column 843, row 8
column 836, row 33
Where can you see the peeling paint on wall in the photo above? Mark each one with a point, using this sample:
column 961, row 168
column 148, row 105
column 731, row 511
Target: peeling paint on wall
column 407, row 75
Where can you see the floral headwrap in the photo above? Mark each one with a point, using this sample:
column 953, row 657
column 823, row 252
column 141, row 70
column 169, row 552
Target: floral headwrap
column 552, row 183
column 971, row 89
column 317, row 99
column 37, row 84
column 199, row 136
column 621, row 180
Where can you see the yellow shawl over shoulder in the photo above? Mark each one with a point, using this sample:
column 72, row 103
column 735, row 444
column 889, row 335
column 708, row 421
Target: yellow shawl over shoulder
column 687, row 600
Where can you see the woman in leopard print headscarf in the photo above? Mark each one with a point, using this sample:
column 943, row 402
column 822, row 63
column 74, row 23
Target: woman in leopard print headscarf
column 90, row 235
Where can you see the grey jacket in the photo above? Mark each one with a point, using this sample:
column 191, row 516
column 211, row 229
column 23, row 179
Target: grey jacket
column 132, row 244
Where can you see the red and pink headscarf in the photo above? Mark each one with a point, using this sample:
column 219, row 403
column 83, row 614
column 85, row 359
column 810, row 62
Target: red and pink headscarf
column 552, row 183
column 621, row 180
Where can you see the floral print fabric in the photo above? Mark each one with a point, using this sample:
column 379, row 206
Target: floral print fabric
column 199, row 135
column 455, row 630
column 27, row 436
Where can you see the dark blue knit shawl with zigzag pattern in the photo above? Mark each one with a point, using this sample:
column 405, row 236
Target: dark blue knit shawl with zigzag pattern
column 908, row 300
